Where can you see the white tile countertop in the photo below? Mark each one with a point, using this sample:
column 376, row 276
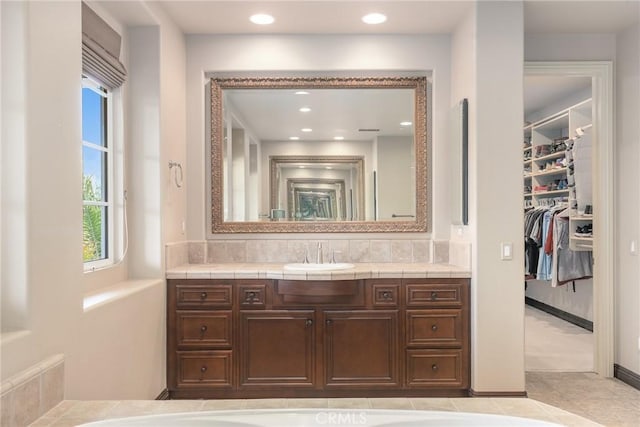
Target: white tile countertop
column 277, row 271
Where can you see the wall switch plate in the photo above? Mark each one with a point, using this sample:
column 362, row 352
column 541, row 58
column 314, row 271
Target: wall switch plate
column 506, row 251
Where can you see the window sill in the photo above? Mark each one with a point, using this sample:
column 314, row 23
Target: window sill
column 116, row 292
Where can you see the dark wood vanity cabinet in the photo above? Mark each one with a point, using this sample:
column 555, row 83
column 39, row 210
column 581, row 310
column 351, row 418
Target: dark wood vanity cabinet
column 287, row 338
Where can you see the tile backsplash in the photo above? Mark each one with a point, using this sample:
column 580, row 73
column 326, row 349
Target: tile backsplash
column 282, row 251
column 295, row 250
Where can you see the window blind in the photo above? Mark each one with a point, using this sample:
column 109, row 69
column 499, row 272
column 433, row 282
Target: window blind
column 101, row 50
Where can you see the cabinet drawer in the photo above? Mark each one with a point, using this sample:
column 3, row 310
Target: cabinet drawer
column 198, row 329
column 435, row 368
column 204, row 368
column 195, row 296
column 441, row 328
column 384, row 295
column 434, row 294
column 291, row 293
column 252, row 296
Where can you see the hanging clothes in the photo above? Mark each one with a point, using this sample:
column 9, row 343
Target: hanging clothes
column 570, row 265
column 547, row 252
column 532, row 239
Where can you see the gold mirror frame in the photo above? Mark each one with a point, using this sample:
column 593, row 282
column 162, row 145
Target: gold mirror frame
column 421, row 149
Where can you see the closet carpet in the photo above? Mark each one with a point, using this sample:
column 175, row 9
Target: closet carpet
column 551, row 344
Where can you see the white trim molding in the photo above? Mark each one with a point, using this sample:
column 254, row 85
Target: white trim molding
column 601, row 73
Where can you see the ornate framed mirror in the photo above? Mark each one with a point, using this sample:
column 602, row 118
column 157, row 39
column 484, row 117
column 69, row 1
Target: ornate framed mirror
column 319, row 155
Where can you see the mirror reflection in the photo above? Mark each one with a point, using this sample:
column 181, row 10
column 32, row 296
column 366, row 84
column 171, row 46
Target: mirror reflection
column 317, row 150
column 317, row 188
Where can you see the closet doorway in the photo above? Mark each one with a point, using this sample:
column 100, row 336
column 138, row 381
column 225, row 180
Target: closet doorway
column 567, row 155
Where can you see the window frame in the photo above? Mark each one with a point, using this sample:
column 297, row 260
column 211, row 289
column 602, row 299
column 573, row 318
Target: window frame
column 109, row 245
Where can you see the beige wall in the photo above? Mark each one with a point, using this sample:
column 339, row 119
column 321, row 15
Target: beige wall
column 496, row 207
column 115, row 349
column 627, row 203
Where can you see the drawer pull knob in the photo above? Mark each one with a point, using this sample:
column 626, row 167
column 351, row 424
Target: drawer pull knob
column 204, row 369
column 434, row 296
column 434, row 367
column 434, row 327
column 386, row 295
column 308, row 322
column 203, row 295
column 329, row 322
column 203, row 328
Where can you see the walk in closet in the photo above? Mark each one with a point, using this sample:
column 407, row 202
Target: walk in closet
column 558, row 218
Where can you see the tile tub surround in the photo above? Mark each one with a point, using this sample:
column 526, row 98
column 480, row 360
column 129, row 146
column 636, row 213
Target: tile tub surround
column 277, row 271
column 294, row 250
column 33, row 392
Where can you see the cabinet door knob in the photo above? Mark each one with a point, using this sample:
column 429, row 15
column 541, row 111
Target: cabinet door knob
column 329, row 321
column 203, row 295
column 434, row 296
column 308, row 322
column 386, row 295
column 203, row 328
column 434, row 327
column 434, row 367
column 204, row 369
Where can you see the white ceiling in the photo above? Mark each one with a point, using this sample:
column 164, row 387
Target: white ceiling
column 343, row 16
column 404, row 17
column 543, row 91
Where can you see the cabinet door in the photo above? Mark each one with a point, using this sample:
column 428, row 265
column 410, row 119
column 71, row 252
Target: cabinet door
column 277, row 348
column 361, row 348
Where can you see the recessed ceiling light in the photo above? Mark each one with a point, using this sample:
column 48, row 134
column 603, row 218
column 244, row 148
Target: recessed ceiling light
column 306, row 130
column 294, row 138
column 305, row 109
column 405, row 123
column 262, row 19
column 374, row 18
column 302, row 92
column 328, row 167
column 338, row 138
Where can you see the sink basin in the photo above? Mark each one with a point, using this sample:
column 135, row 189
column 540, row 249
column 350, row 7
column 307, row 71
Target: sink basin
column 317, row 267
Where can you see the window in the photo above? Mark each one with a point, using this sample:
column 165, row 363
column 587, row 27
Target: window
column 97, row 175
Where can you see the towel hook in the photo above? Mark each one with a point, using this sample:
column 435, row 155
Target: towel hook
column 178, row 167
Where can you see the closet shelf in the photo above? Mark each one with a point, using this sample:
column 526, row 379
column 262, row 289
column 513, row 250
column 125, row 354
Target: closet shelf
column 582, row 239
column 556, row 171
column 582, row 217
column 550, row 193
column 550, row 156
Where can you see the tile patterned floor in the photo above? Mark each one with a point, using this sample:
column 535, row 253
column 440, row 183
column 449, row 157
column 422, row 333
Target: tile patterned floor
column 607, row 401
column 71, row 413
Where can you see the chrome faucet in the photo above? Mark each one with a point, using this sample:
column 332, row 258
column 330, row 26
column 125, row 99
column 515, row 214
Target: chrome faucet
column 319, row 257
